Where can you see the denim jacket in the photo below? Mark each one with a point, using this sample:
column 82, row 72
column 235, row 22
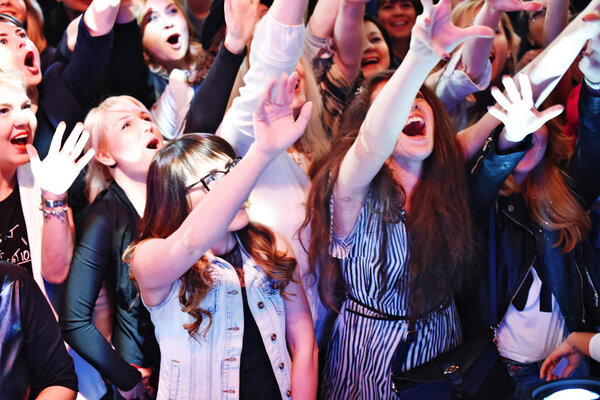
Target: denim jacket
column 208, row 367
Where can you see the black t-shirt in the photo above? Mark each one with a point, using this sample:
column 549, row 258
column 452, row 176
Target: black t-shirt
column 14, row 244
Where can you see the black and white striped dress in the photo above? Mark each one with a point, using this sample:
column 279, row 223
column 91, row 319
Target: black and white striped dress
column 358, row 362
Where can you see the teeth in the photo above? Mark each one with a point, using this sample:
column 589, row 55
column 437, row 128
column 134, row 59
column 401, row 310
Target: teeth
column 20, row 136
column 414, row 118
column 400, row 23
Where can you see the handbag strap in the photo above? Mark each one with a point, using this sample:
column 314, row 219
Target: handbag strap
column 492, row 269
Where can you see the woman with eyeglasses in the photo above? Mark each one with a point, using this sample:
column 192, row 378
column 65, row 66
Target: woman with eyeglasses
column 224, row 293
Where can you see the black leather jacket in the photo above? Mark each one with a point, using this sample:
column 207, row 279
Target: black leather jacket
column 514, row 243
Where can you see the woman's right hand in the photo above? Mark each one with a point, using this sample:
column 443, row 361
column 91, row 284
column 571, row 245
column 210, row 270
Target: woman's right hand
column 517, row 111
column 275, row 128
column 143, row 390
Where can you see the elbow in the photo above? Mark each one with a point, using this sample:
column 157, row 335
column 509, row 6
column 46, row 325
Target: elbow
column 55, row 271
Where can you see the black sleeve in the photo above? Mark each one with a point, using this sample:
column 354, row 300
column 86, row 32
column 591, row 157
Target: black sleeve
column 210, row 100
column 584, row 165
column 127, row 70
column 92, row 260
column 48, row 360
column 489, row 169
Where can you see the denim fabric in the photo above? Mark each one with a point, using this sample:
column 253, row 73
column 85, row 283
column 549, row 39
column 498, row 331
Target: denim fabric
column 208, row 365
column 527, row 377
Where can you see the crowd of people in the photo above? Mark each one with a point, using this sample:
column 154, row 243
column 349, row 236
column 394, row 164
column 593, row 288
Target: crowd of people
column 297, row 199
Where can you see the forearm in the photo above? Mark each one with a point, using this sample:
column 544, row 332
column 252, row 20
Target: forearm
column 472, row 138
column 475, row 51
column 158, row 264
column 557, row 18
column 57, row 240
column 580, row 341
column 100, row 16
column 289, row 12
column 546, row 70
column 348, row 38
column 323, row 18
column 304, row 374
column 389, row 111
column 57, row 393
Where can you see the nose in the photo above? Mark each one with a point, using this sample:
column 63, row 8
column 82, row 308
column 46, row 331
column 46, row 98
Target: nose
column 167, row 22
column 21, row 119
column 5, row 3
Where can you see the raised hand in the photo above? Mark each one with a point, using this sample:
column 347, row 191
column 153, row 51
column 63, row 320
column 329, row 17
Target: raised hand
column 517, row 112
column 513, row 5
column 274, row 126
column 240, row 18
column 434, row 33
column 590, row 61
column 60, row 167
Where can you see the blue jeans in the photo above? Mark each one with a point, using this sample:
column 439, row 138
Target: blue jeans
column 527, row 376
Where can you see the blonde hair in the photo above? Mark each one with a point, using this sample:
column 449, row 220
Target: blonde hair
column 12, row 76
column 550, row 202
column 98, row 175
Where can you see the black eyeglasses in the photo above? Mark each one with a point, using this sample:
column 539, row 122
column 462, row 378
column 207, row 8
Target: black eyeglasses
column 214, row 176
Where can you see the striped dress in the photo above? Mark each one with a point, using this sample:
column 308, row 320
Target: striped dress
column 358, row 362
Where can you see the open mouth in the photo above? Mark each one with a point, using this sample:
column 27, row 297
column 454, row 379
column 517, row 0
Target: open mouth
column 29, row 60
column 20, row 140
column 153, row 144
column 415, row 126
column 399, row 23
column 174, row 38
column 369, row 61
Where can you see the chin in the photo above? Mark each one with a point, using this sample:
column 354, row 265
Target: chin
column 240, row 221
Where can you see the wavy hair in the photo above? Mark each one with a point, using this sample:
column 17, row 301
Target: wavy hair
column 439, row 232
column 167, row 207
column 550, row 201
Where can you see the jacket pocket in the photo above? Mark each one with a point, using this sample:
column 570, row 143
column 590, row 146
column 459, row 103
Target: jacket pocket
column 270, row 291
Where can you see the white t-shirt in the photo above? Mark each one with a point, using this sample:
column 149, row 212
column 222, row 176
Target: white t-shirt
column 531, row 335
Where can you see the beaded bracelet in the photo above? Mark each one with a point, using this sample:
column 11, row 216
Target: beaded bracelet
column 54, row 208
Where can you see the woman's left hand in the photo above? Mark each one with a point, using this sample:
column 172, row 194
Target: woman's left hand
column 240, row 18
column 434, row 33
column 274, row 126
column 60, row 167
column 517, row 112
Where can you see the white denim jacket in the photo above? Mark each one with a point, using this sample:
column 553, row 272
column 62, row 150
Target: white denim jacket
column 208, row 367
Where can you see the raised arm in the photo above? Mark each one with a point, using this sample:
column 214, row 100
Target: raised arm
column 55, row 175
column 159, row 262
column 433, row 36
column 476, row 50
column 544, row 72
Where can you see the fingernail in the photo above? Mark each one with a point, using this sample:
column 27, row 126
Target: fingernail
column 446, row 57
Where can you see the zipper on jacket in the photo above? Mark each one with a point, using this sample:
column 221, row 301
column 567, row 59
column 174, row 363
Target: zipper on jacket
column 497, row 326
column 581, row 288
column 589, row 278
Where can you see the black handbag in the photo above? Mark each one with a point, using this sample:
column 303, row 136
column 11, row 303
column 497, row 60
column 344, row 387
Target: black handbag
column 472, row 370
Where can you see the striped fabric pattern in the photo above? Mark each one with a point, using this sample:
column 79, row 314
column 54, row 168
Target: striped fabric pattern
column 358, row 362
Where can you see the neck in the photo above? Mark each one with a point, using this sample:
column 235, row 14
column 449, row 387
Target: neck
column 8, row 182
column 135, row 189
column 224, row 245
column 520, row 179
column 400, row 47
column 407, row 173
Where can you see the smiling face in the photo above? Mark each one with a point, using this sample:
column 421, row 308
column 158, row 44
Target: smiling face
column 130, row 141
column 19, row 53
column 16, row 8
column 376, row 54
column 165, row 33
column 397, row 17
column 17, row 125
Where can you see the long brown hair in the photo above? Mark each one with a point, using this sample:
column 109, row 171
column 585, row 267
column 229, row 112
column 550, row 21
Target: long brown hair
column 550, row 202
column 167, row 207
column 439, row 232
